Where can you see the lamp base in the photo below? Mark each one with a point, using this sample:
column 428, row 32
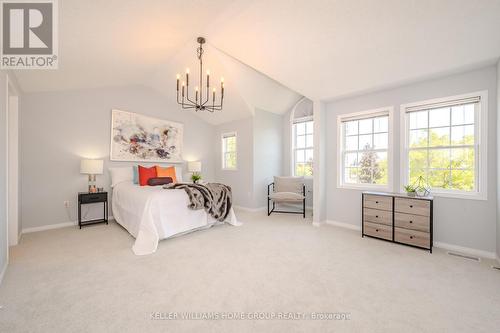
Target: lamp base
column 92, row 185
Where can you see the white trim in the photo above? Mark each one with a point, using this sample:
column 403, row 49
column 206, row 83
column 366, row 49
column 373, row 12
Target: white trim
column 344, row 225
column 465, row 250
column 481, row 144
column 250, row 210
column 293, row 142
column 2, row 273
column 441, row 245
column 390, row 150
column 223, row 155
column 54, row 226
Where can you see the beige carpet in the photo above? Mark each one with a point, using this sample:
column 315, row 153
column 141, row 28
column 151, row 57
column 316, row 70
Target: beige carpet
column 71, row 280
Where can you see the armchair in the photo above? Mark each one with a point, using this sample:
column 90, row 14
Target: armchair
column 286, row 190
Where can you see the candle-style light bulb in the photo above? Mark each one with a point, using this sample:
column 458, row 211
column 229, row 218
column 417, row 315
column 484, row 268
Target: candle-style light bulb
column 196, row 93
column 208, row 78
column 187, row 70
column 183, row 84
column 178, row 76
column 187, row 76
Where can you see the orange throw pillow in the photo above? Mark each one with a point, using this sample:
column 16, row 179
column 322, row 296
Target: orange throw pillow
column 166, row 172
column 145, row 174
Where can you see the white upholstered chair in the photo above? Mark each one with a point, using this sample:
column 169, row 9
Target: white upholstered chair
column 286, row 190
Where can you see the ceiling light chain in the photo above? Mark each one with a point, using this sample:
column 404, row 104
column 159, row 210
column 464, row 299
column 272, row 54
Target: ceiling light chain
column 199, row 104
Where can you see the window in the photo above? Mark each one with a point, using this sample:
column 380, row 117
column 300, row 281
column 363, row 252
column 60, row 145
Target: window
column 229, row 157
column 365, row 149
column 443, row 144
column 303, row 147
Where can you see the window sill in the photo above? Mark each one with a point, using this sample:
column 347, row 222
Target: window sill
column 463, row 196
column 365, row 187
column 229, row 169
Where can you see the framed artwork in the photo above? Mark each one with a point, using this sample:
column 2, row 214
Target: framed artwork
column 135, row 137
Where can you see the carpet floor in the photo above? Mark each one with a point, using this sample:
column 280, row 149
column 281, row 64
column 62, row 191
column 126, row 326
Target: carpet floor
column 280, row 273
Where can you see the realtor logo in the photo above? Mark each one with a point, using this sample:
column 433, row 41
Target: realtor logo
column 29, row 34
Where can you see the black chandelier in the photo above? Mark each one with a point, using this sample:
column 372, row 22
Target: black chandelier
column 199, row 103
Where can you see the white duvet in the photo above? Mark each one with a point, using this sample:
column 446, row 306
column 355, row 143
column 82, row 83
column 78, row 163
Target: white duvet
column 151, row 213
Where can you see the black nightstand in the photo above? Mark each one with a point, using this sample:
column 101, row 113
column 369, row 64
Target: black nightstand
column 88, row 198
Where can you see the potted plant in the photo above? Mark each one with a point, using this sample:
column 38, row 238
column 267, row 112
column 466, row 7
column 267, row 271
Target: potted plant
column 421, row 187
column 195, row 177
column 410, row 190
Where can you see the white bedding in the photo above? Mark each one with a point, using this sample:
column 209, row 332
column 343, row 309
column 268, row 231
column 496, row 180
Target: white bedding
column 151, row 213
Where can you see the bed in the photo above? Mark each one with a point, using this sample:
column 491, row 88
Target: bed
column 151, row 213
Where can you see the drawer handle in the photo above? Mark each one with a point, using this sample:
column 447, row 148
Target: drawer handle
column 376, row 216
column 376, row 230
column 411, row 206
column 376, row 202
column 411, row 237
column 411, row 221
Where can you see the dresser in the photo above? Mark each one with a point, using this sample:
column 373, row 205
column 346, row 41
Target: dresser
column 398, row 218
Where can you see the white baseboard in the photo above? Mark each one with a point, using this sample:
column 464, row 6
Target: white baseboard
column 343, row 225
column 441, row 245
column 251, row 210
column 466, row 250
column 259, row 209
column 4, row 269
column 53, row 226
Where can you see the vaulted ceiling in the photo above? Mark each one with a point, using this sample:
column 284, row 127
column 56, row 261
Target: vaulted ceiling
column 270, row 52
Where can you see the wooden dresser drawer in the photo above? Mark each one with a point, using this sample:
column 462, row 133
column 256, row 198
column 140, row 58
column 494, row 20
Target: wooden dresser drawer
column 412, row 237
column 377, row 216
column 377, row 202
column 414, row 222
column 412, row 206
column 378, row 230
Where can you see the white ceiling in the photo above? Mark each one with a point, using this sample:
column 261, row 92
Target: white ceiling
column 325, row 49
column 322, row 49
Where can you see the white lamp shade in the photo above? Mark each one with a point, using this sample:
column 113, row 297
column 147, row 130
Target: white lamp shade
column 194, row 166
column 91, row 167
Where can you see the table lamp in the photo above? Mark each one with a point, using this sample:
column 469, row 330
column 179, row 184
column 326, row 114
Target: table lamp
column 91, row 168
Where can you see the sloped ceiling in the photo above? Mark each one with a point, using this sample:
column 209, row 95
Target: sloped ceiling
column 326, row 49
column 322, row 49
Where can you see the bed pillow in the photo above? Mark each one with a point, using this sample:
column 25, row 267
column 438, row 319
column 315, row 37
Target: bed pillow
column 145, row 174
column 167, row 172
column 159, row 181
column 121, row 174
column 135, row 171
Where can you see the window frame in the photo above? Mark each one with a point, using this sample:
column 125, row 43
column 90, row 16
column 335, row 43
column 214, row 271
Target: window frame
column 223, row 152
column 480, row 144
column 293, row 144
column 390, row 150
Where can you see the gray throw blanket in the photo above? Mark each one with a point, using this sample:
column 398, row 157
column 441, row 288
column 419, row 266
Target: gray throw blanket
column 215, row 198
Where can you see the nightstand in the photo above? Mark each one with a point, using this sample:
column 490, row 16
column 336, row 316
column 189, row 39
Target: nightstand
column 89, row 198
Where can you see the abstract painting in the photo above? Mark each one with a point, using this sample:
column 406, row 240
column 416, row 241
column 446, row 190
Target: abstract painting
column 135, row 137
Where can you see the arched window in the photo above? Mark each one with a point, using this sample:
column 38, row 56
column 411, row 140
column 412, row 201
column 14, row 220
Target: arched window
column 302, row 138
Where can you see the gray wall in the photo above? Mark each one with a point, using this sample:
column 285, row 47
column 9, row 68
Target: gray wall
column 467, row 223
column 268, row 137
column 259, row 141
column 498, row 161
column 240, row 180
column 58, row 129
column 3, row 181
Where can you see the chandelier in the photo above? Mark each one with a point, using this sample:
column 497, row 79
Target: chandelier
column 201, row 102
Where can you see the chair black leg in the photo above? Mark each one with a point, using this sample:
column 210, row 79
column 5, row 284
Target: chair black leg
column 268, row 212
column 304, row 208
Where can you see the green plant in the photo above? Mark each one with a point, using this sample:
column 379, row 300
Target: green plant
column 195, row 177
column 410, row 189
